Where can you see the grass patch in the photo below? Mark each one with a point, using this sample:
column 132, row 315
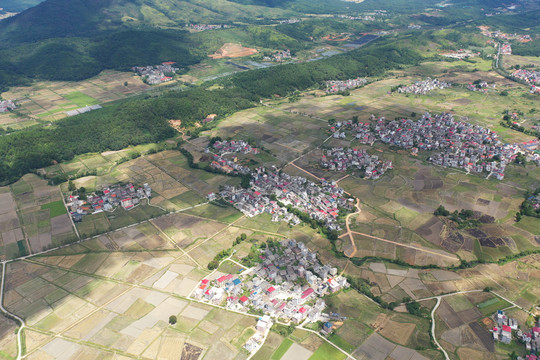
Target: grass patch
column 327, row 351
column 488, row 307
column 339, row 341
column 282, row 349
column 55, row 208
column 530, row 224
column 80, row 99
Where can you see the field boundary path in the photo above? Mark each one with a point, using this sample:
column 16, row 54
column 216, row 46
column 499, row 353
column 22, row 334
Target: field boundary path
column 5, row 311
column 454, row 258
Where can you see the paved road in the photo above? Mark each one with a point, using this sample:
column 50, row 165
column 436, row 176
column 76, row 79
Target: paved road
column 433, row 328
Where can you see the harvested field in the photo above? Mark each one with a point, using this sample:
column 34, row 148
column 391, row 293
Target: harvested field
column 397, row 332
column 448, row 315
column 375, row 348
column 230, row 50
column 485, row 337
column 297, row 352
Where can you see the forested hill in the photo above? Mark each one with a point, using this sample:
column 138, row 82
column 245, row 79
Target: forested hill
column 54, row 18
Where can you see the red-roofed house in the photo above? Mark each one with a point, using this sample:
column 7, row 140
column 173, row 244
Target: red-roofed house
column 306, row 294
column 223, row 279
column 243, row 300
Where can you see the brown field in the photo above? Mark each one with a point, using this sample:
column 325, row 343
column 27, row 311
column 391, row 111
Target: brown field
column 230, row 50
column 394, row 331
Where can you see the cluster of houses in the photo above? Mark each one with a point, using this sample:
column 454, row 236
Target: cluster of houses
column 234, row 146
column 203, row 27
column 530, row 76
column 460, row 144
column 361, row 17
column 286, row 284
column 342, row 159
column 461, row 54
column 289, row 21
column 334, row 86
column 502, row 331
column 424, row 86
column 362, row 131
column 506, row 49
column 497, row 34
column 269, row 189
column 83, row 110
column 414, row 27
column 279, row 56
column 108, row 199
column 156, row 74
column 481, row 86
column 7, row 105
column 252, row 203
column 505, row 327
column 264, row 323
column 229, row 166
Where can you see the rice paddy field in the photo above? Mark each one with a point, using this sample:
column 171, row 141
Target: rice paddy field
column 33, row 218
column 47, row 101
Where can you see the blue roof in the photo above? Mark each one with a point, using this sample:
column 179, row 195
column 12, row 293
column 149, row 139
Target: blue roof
column 236, row 281
column 327, row 324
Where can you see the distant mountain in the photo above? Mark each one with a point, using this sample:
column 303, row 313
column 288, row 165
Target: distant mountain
column 61, row 18
column 18, row 5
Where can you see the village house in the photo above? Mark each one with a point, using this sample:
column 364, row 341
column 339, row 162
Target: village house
column 334, row 86
column 156, row 74
column 7, row 105
column 424, row 86
column 107, row 199
column 340, row 159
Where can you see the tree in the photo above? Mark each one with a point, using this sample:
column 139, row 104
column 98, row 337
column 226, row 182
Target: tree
column 487, row 289
column 172, row 319
column 125, row 83
column 71, row 186
column 213, row 265
column 414, row 308
column 504, row 93
column 441, row 211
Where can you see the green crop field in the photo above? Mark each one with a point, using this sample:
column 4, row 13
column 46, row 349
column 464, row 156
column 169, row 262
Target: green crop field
column 55, row 208
column 282, row 349
column 490, row 306
column 327, row 351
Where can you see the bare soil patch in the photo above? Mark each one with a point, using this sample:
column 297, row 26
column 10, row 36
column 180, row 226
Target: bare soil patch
column 191, row 352
column 230, row 50
column 448, row 315
column 485, row 337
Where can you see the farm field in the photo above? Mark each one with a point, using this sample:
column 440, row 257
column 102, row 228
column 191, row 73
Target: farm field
column 33, row 218
column 47, row 101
